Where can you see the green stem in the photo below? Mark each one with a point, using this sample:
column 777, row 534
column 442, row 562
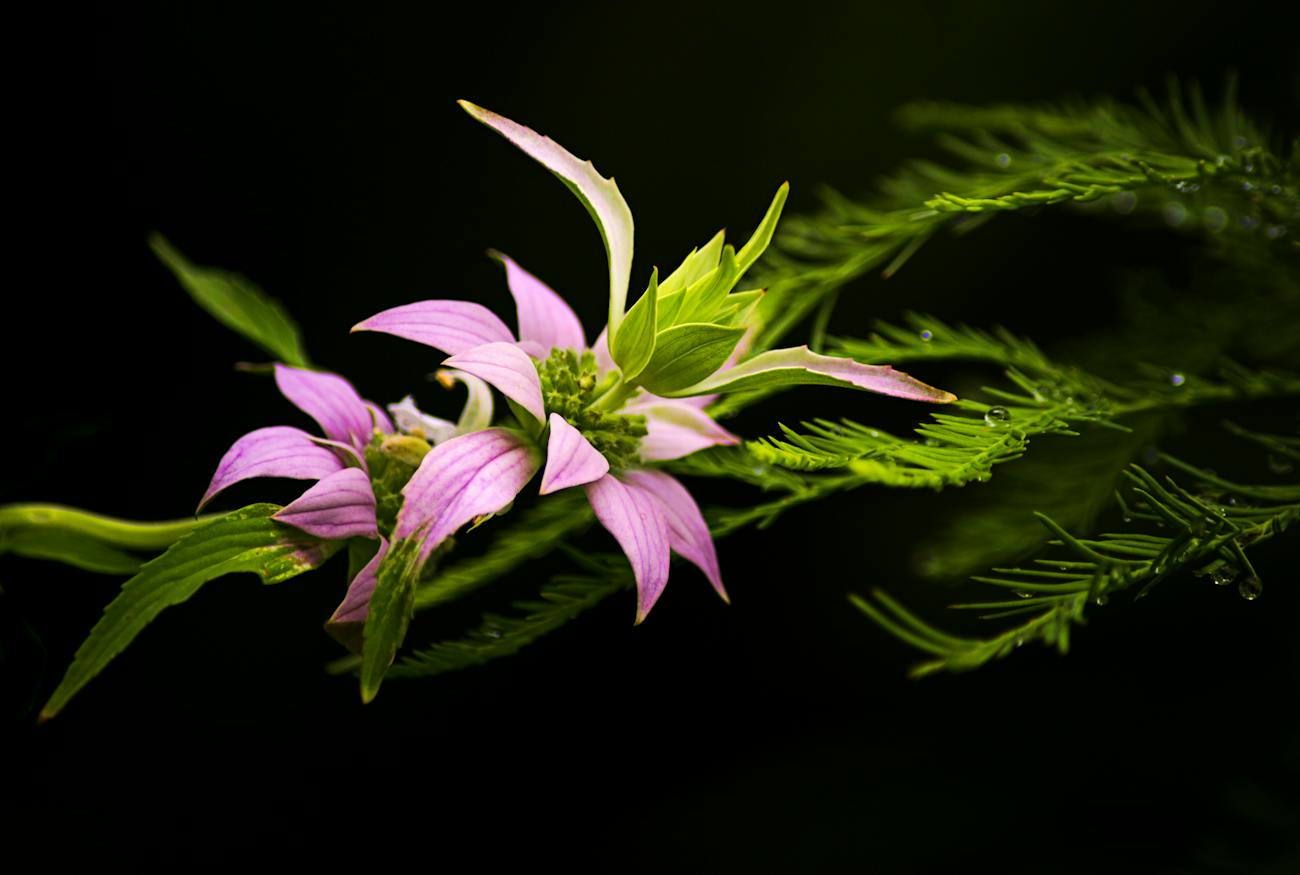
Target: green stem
column 614, row 397
column 119, row 532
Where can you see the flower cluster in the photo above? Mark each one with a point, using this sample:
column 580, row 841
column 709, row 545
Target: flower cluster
column 596, row 416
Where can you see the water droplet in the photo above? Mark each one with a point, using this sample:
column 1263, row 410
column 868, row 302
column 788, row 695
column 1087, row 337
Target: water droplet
column 1279, row 464
column 1275, row 189
column 1246, row 186
column 1127, row 518
column 1215, row 219
column 1239, row 142
column 1222, row 575
column 1101, row 599
column 1025, row 595
column 1177, row 379
column 1250, row 588
column 1273, row 232
column 1124, row 202
column 494, row 633
column 1186, row 187
column 931, row 442
column 997, row 416
column 1249, row 168
column 1175, row 214
column 1248, row 223
column 926, row 335
column 1004, row 160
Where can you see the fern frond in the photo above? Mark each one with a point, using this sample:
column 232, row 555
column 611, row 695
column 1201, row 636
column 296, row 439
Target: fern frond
column 560, row 601
column 1206, row 534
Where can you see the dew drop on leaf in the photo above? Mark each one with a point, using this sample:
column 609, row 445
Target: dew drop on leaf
column 1101, row 599
column 1223, row 575
column 926, row 335
column 997, row 416
column 1003, row 159
column 1250, row 588
column 1177, row 379
column 1215, row 219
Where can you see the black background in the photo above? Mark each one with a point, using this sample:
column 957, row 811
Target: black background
column 321, row 153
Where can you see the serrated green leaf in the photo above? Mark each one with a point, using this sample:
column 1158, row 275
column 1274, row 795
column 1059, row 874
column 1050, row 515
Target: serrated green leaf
column 237, row 303
column 686, row 354
column 634, row 344
column 245, row 540
column 391, row 607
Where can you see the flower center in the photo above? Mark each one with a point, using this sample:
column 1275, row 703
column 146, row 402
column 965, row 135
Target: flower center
column 569, row 387
column 391, row 461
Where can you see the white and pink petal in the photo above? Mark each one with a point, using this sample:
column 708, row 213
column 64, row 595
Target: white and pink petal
column 675, row 429
column 276, row 451
column 340, row 506
column 688, row 533
column 467, row 477
column 545, row 320
column 571, row 460
column 509, row 369
column 330, row 400
column 451, row 326
column 636, row 520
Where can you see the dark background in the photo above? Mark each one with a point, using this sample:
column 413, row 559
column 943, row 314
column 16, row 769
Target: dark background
column 322, row 155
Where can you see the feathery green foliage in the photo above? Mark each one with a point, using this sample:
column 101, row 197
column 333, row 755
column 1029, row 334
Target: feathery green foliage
column 1206, row 529
column 1210, row 172
column 561, row 600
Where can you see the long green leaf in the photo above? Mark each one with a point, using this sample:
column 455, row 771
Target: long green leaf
column 391, row 607
column 245, row 540
column 237, row 303
column 72, row 549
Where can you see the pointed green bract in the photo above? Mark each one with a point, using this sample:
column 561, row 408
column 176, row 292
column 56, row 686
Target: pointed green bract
column 694, row 266
column 686, row 354
column 245, row 540
column 762, row 236
column 707, row 295
column 635, row 344
column 391, row 607
column 599, row 195
column 237, row 303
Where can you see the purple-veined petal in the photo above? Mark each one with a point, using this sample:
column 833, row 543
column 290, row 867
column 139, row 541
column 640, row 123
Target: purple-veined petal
column 380, row 419
column 600, row 196
column 509, row 369
column 570, row 459
column 277, row 451
column 466, row 477
column 637, row 522
column 545, row 321
column 340, row 506
column 801, row 366
column 451, row 326
column 330, row 400
column 411, row 420
column 675, row 429
column 688, row 534
column 348, row 620
column 604, row 361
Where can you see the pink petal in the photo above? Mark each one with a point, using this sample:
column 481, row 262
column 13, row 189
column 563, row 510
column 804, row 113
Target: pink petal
column 348, row 621
column 635, row 519
column 600, row 196
column 278, row 451
column 509, row 369
column 675, row 429
column 451, row 326
column 570, row 459
column 688, row 534
column 340, row 506
column 604, row 361
column 545, row 321
column 330, row 400
column 466, row 477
